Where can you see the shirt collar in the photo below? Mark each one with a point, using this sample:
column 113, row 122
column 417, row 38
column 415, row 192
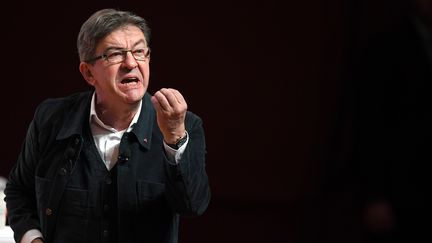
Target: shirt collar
column 94, row 119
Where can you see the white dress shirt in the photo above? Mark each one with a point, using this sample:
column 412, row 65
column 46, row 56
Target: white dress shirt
column 107, row 138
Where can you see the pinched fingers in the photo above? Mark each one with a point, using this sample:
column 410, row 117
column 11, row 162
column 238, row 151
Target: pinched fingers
column 170, row 101
column 171, row 111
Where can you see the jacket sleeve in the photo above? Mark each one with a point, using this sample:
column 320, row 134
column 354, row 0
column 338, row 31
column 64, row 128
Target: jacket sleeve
column 20, row 189
column 187, row 185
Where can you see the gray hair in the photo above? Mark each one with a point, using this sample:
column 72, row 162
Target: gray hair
column 101, row 24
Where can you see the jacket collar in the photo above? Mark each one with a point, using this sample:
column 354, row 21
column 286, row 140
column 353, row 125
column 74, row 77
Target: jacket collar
column 79, row 112
column 144, row 127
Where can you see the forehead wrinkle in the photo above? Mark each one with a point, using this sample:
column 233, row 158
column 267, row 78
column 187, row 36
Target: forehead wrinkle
column 122, row 36
column 117, row 47
column 109, row 46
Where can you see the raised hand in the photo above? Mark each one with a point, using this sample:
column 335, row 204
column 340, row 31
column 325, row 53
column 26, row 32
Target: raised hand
column 171, row 110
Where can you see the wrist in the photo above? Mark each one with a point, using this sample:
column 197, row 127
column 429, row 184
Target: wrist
column 178, row 142
column 174, row 136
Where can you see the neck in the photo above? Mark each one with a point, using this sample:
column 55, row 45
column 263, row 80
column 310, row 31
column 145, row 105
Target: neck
column 118, row 117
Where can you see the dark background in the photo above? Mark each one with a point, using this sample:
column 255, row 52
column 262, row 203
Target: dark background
column 266, row 77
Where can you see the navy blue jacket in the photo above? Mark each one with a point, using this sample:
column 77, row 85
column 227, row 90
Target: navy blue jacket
column 57, row 187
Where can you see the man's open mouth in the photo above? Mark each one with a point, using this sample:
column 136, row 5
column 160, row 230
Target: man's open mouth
column 130, row 80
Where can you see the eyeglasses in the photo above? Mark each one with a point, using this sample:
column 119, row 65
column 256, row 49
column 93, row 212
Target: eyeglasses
column 117, row 56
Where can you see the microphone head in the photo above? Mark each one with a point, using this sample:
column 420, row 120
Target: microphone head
column 125, row 155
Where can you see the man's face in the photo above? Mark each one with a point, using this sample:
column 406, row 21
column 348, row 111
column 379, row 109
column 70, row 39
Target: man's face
column 125, row 82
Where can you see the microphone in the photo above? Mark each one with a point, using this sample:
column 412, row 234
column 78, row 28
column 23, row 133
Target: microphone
column 125, row 155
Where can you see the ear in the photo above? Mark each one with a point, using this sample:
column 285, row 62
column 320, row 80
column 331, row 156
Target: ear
column 86, row 72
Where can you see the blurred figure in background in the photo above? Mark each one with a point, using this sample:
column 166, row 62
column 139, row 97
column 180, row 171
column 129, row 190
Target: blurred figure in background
column 392, row 81
column 3, row 210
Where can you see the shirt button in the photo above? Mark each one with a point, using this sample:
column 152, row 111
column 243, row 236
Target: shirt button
column 48, row 211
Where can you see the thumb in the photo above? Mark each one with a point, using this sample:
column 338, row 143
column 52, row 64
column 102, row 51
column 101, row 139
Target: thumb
column 155, row 103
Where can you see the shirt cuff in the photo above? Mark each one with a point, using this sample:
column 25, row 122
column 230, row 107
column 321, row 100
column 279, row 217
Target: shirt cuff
column 31, row 235
column 174, row 155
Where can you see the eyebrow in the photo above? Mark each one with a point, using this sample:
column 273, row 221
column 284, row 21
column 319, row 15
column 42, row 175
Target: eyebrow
column 121, row 48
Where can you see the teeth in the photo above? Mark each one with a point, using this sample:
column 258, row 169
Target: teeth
column 129, row 80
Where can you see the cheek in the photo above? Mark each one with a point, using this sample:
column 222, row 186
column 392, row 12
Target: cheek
column 107, row 76
column 147, row 75
column 145, row 72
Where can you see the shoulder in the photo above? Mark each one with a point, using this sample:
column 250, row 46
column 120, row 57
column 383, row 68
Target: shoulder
column 56, row 108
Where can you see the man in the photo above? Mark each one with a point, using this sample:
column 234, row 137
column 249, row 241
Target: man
column 113, row 165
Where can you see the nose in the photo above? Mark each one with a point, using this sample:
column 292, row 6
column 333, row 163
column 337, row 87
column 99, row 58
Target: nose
column 130, row 62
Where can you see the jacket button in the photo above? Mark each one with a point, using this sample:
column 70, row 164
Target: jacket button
column 106, row 207
column 105, row 233
column 108, row 180
column 48, row 211
column 123, row 158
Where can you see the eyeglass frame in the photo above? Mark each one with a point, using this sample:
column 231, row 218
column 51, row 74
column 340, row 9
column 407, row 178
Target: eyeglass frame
column 124, row 53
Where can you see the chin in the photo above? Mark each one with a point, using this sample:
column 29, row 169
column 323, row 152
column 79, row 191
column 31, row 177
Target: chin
column 134, row 98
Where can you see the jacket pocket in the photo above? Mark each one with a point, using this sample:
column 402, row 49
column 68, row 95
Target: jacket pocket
column 73, row 218
column 153, row 216
column 149, row 192
column 71, row 230
column 42, row 188
column 74, row 203
column 152, row 208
